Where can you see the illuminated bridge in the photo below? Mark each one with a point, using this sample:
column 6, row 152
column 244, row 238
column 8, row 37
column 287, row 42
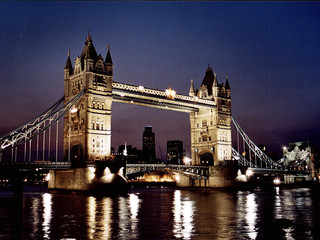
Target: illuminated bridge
column 85, row 111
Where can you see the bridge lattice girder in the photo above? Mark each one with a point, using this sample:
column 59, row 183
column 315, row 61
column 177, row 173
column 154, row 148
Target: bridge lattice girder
column 154, row 98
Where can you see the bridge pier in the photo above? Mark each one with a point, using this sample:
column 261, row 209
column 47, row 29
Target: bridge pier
column 219, row 177
column 100, row 178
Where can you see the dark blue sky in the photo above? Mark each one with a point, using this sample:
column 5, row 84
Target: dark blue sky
column 270, row 51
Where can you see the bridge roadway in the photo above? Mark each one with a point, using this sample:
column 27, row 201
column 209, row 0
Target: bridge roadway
column 277, row 171
column 192, row 171
column 196, row 172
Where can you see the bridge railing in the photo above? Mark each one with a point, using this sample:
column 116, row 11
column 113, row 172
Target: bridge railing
column 158, row 93
column 198, row 172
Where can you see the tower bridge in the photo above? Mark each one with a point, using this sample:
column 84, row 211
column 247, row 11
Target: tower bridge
column 89, row 91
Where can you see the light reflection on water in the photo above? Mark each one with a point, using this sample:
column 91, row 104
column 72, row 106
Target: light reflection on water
column 166, row 213
column 183, row 216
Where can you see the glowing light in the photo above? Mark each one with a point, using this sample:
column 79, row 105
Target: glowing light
column 141, row 88
column 47, row 178
column 187, row 160
column 73, row 110
column 196, row 99
column 177, row 178
column 106, row 171
column 249, row 172
column 170, row 93
column 121, row 172
column 91, row 174
column 276, row 181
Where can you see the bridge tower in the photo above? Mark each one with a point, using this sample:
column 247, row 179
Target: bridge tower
column 88, row 136
column 211, row 128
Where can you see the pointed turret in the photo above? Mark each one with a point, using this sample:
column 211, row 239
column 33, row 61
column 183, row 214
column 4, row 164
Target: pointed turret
column 227, row 84
column 88, row 50
column 108, row 57
column 208, row 80
column 192, row 92
column 228, row 89
column 68, row 69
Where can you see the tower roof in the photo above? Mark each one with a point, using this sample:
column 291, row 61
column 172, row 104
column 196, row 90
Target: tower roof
column 208, row 80
column 68, row 63
column 227, row 84
column 108, row 57
column 89, row 51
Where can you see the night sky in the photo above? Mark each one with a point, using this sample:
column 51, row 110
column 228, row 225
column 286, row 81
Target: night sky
column 269, row 50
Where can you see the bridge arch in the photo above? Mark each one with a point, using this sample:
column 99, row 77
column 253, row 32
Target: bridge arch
column 77, row 157
column 206, row 158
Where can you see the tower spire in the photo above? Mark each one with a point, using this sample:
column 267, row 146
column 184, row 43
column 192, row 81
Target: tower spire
column 227, row 83
column 68, row 67
column 108, row 57
column 192, row 92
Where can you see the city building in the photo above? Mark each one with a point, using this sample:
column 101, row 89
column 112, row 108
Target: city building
column 148, row 145
column 130, row 154
column 175, row 152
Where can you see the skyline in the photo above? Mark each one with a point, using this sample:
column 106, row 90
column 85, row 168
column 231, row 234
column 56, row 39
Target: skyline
column 269, row 50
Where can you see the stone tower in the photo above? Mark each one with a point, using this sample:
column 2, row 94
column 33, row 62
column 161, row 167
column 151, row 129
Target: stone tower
column 87, row 126
column 211, row 128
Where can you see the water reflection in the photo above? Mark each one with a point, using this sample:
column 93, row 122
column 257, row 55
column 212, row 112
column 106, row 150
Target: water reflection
column 159, row 213
column 99, row 218
column 134, row 203
column 47, row 214
column 247, row 213
column 183, row 216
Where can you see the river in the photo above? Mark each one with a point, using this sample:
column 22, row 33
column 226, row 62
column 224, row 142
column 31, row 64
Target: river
column 163, row 213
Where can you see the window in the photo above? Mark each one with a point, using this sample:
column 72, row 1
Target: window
column 199, row 139
column 209, row 139
column 197, row 125
column 204, row 138
column 204, row 123
column 98, row 126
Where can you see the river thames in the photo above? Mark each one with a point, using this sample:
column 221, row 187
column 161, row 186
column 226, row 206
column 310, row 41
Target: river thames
column 163, row 213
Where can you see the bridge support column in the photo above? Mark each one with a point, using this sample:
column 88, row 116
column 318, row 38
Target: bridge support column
column 219, row 177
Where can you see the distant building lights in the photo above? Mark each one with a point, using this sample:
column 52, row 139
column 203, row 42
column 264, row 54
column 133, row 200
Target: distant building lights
column 196, row 99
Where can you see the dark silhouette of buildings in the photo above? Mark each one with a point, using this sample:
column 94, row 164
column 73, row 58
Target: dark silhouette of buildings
column 175, row 152
column 148, row 145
